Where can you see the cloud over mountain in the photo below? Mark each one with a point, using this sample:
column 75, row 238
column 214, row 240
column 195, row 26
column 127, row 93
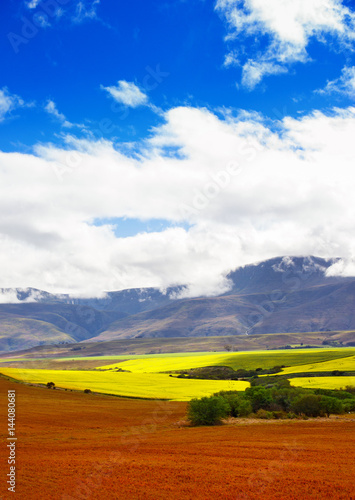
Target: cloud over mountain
column 237, row 189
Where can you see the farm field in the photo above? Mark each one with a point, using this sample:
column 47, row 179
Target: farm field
column 146, row 376
column 341, row 364
column 246, row 360
column 75, row 446
column 89, row 362
column 137, row 385
column 323, row 382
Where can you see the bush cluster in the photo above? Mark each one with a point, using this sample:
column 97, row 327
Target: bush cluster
column 227, row 373
column 281, row 400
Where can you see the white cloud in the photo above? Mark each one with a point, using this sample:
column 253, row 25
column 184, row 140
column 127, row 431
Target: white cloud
column 42, row 20
column 287, row 27
column 127, row 93
column 345, row 84
column 246, row 191
column 231, row 59
column 254, row 72
column 32, row 4
column 8, row 296
column 344, row 267
column 85, row 10
column 52, row 109
column 8, row 102
column 78, row 11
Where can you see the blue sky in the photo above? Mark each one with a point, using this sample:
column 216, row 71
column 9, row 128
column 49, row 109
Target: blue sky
column 68, row 58
column 146, row 85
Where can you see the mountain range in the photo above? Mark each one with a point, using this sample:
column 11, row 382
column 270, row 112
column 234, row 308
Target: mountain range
column 284, row 294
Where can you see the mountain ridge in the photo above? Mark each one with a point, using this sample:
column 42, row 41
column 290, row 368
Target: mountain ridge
column 284, row 294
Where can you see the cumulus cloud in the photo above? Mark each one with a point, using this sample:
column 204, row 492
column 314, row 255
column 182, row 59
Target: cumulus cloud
column 8, row 102
column 127, row 93
column 238, row 190
column 285, row 29
column 345, row 84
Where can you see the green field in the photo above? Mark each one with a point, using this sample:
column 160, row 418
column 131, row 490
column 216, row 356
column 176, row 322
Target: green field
column 119, row 358
column 246, row 360
column 127, row 384
column 342, row 364
column 147, row 375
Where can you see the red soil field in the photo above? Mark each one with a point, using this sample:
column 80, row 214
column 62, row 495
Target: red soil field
column 83, row 446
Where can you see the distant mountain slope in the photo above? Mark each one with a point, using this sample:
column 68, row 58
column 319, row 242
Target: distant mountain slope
column 185, row 318
column 22, row 333
column 286, row 294
column 327, row 307
column 130, row 301
column 32, row 324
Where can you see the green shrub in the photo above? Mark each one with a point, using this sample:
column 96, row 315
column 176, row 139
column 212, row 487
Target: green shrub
column 265, row 415
column 208, row 410
column 348, row 405
column 331, row 405
column 259, row 396
column 233, row 401
column 245, row 408
column 239, row 406
column 290, row 414
column 277, row 381
column 276, row 402
column 308, row 405
column 315, row 405
column 283, row 398
column 335, row 393
column 279, row 414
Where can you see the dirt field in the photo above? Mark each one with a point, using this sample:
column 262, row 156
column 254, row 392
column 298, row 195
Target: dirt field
column 83, row 446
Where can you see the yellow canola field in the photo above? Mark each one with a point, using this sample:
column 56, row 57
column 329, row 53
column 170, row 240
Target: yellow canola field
column 323, row 382
column 342, row 364
column 157, row 386
column 246, row 360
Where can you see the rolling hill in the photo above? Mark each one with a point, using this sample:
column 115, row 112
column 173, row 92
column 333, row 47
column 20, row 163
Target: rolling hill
column 286, row 295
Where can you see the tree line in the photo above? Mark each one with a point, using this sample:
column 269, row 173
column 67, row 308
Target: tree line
column 276, row 399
